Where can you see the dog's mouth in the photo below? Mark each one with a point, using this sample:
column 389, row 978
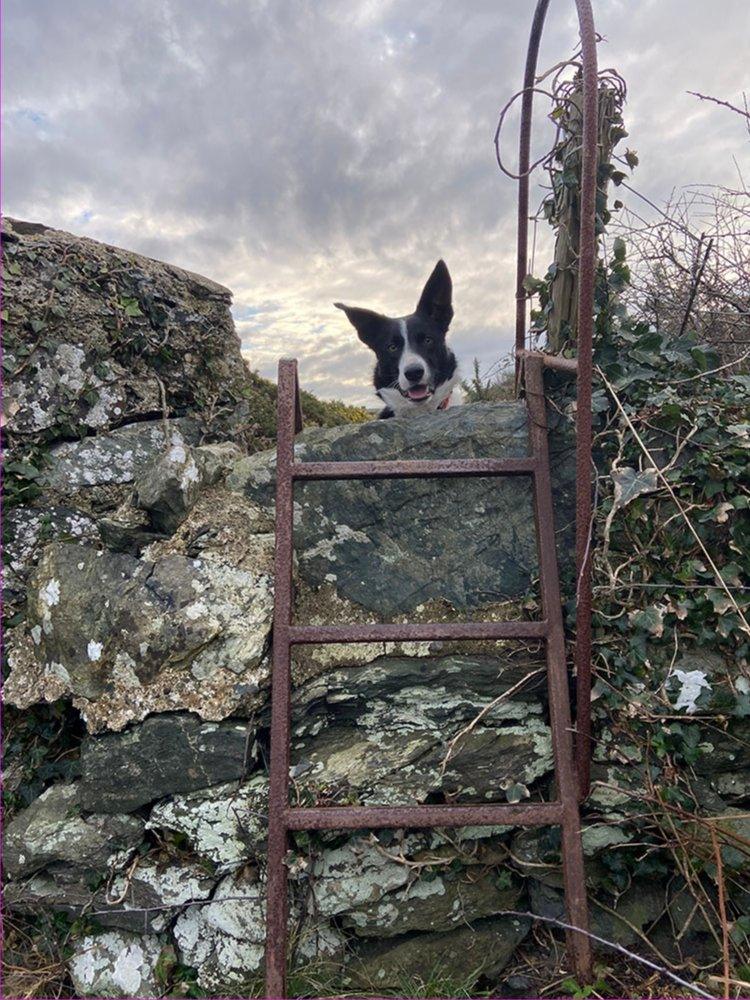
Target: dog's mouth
column 417, row 393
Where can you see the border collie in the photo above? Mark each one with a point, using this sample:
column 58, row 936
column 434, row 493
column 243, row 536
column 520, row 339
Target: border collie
column 416, row 371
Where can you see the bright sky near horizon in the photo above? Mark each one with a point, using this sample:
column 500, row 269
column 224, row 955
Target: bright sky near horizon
column 306, row 151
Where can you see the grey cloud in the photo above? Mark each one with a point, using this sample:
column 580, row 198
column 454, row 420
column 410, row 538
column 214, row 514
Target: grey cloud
column 301, row 152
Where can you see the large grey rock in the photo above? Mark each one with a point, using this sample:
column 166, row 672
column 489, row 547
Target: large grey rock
column 384, row 733
column 26, row 530
column 114, row 458
column 452, row 961
column 114, row 335
column 165, row 755
column 128, row 637
column 116, row 965
column 52, row 831
column 392, row 545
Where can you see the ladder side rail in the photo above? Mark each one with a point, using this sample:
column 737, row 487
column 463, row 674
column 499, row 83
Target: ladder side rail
column 557, row 677
column 277, row 901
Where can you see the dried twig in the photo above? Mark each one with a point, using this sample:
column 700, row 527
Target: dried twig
column 724, row 104
column 487, row 708
column 700, row 267
column 722, row 909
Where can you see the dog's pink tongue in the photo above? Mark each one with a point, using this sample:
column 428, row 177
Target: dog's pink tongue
column 418, row 392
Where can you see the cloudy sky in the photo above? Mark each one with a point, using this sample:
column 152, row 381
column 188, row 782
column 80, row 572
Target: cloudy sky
column 304, row 151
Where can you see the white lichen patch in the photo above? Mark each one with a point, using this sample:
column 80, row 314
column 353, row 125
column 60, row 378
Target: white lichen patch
column 94, row 650
column 116, row 964
column 225, row 824
column 358, row 872
column 340, row 533
column 224, row 939
column 171, row 885
column 50, row 593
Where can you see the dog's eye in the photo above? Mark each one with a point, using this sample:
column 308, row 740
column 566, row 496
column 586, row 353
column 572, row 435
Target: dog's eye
column 428, row 341
column 393, row 348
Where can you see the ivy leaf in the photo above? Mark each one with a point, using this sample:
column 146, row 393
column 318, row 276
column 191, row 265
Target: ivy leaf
column 630, row 484
column 533, row 285
column 131, row 307
column 619, row 248
column 650, row 620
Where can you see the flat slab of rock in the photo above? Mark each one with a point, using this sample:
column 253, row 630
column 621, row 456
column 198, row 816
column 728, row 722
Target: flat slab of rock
column 384, row 733
column 392, row 545
column 165, row 755
column 459, row 956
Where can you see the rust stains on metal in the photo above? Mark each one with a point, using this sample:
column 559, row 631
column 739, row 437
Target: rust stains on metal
column 282, row 818
column 402, row 817
column 446, row 468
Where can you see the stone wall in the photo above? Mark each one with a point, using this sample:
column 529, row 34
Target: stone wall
column 141, row 579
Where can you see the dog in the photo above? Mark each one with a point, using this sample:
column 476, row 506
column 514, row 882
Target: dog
column 416, row 371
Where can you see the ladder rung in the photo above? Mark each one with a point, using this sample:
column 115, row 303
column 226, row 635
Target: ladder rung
column 414, row 632
column 414, row 469
column 378, row 817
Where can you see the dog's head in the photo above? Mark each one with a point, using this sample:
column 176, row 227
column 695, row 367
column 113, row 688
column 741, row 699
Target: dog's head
column 415, row 368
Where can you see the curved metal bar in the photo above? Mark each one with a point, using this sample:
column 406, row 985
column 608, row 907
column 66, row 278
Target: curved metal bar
column 524, row 155
column 586, row 276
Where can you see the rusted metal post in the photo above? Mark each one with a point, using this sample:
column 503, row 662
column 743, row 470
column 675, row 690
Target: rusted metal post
column 584, row 340
column 277, row 898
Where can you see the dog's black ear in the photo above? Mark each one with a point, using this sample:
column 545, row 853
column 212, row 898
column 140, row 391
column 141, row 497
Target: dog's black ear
column 368, row 324
column 435, row 302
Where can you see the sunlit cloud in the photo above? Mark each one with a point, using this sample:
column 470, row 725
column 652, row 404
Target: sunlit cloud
column 306, row 153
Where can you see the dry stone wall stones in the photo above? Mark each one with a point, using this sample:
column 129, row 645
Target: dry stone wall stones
column 114, row 333
column 127, row 637
column 383, row 732
column 226, row 824
column 434, row 902
column 144, row 898
column 391, row 545
column 457, row 958
column 169, row 485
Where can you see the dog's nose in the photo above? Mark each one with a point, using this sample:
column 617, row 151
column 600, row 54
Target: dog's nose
column 414, row 373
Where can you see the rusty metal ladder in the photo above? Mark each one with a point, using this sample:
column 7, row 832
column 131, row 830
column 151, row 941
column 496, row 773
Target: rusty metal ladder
column 282, row 818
